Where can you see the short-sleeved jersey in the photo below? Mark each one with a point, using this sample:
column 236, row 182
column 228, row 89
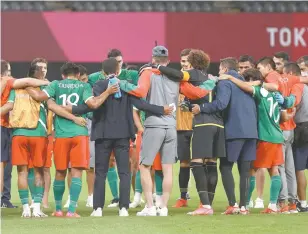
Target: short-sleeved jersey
column 129, row 75
column 268, row 116
column 70, row 91
column 4, row 98
column 41, row 129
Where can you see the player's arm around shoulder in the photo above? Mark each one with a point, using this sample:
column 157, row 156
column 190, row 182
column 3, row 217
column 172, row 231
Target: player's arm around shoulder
column 7, row 107
column 48, row 92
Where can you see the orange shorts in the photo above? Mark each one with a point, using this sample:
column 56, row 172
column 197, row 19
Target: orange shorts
column 29, row 150
column 268, row 155
column 157, row 161
column 48, row 162
column 73, row 150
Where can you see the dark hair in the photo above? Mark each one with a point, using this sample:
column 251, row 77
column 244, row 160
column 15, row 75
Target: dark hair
column 70, row 69
column 4, row 67
column 114, row 53
column 199, row 59
column 246, row 58
column 132, row 67
column 252, row 74
column 303, row 59
column 38, row 60
column 293, row 68
column 82, row 70
column 110, row 66
column 230, row 63
column 267, row 61
column 32, row 70
column 282, row 55
column 185, row 52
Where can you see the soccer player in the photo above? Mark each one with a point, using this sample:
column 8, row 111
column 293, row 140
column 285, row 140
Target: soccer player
column 240, row 120
column 302, row 62
column 184, row 133
column 132, row 77
column 8, row 83
column 284, row 84
column 245, row 62
column 71, row 144
column 269, row 148
column 300, row 145
column 280, row 59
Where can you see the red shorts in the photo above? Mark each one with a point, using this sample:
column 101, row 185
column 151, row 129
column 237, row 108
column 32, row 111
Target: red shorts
column 29, row 151
column 268, row 155
column 157, row 161
column 74, row 150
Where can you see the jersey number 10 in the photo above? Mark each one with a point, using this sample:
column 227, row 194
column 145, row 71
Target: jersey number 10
column 272, row 109
column 72, row 99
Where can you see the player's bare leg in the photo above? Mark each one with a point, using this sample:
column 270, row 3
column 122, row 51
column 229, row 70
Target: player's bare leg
column 47, row 182
column 260, row 180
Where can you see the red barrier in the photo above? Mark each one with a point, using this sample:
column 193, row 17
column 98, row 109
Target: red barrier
column 87, row 37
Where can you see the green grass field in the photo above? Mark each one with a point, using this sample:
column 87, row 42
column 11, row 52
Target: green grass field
column 177, row 222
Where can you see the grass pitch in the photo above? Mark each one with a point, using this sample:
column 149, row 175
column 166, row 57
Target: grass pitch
column 177, row 222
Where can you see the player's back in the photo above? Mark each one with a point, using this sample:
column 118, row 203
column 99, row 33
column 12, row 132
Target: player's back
column 73, row 92
column 268, row 116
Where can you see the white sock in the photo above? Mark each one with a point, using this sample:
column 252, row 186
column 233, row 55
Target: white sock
column 272, row 206
column 303, row 204
column 206, row 206
column 37, row 207
column 26, row 207
column 90, row 196
column 158, row 200
column 137, row 197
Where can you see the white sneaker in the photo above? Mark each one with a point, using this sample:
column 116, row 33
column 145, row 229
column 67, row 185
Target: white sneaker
column 259, row 204
column 123, row 212
column 250, row 204
column 135, row 204
column 148, row 211
column 162, row 211
column 90, row 201
column 97, row 213
column 26, row 211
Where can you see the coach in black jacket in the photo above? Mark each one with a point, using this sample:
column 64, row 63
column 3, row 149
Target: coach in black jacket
column 112, row 129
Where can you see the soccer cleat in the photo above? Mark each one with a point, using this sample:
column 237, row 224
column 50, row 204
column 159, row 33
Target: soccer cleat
column 72, row 215
column 284, row 209
column 269, row 211
column 232, row 210
column 180, row 203
column 135, row 204
column 162, row 211
column 259, row 203
column 39, row 214
column 114, row 203
column 201, row 211
column 243, row 211
column 148, row 211
column 97, row 213
column 90, row 201
column 123, row 212
column 250, row 205
column 57, row 213
column 293, row 208
column 26, row 212
column 300, row 208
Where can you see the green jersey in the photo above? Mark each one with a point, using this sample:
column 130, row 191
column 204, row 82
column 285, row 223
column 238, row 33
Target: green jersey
column 129, row 75
column 268, row 116
column 40, row 130
column 70, row 91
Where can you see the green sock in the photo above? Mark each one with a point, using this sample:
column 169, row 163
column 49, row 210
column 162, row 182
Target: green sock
column 275, row 189
column 58, row 191
column 159, row 182
column 252, row 185
column 112, row 177
column 39, row 193
column 31, row 182
column 75, row 190
column 24, row 196
column 138, row 186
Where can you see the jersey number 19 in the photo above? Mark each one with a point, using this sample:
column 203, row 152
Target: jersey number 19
column 72, row 99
